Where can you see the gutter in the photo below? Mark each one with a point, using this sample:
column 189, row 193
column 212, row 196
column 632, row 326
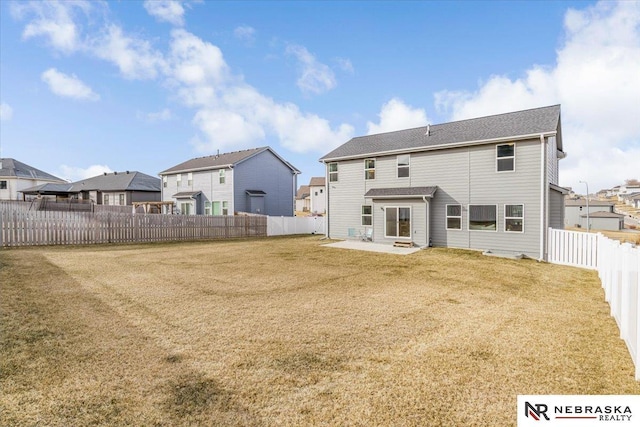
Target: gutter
column 543, row 222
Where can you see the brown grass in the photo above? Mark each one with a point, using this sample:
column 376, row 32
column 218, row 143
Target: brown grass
column 283, row 331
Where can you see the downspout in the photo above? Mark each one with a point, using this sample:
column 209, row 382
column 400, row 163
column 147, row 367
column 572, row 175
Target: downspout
column 428, row 234
column 543, row 227
column 328, row 184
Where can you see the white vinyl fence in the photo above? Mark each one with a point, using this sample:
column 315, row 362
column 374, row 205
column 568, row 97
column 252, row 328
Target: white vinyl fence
column 284, row 225
column 618, row 266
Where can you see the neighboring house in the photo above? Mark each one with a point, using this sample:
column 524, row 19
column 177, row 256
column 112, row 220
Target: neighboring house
column 628, row 189
column 114, row 189
column 489, row 183
column 603, row 221
column 303, row 199
column 635, row 202
column 574, row 209
column 628, row 198
column 257, row 181
column 15, row 176
column 317, row 193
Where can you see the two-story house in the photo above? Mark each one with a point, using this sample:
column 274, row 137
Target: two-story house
column 489, row 183
column 256, row 180
column 318, row 196
column 16, row 176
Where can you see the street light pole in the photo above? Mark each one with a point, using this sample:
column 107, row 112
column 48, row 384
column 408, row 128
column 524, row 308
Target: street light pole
column 588, row 222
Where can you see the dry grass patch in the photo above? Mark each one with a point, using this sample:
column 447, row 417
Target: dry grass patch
column 285, row 331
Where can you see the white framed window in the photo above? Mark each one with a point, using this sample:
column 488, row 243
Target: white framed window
column 454, row 217
column 221, row 176
column 225, row 208
column 190, row 179
column 505, row 157
column 397, row 222
column 483, row 217
column 207, row 208
column 333, row 172
column 164, row 181
column 105, row 199
column 3, row 185
column 404, row 163
column 179, row 180
column 367, row 215
column 185, row 208
column 514, row 218
column 121, row 200
column 369, row 168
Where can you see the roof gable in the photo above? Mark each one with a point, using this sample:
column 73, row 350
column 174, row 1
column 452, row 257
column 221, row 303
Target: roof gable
column 501, row 126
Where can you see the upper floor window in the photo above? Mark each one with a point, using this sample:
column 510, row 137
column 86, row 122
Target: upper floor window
column 179, row 179
column 505, row 157
column 190, row 179
column 222, row 176
column 514, row 218
column 404, row 161
column 369, row 168
column 3, row 185
column 333, row 172
column 164, row 181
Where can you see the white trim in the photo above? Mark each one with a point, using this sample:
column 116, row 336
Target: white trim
column 447, row 216
column 362, row 215
column 469, row 217
column 441, row 146
column 513, row 217
column 366, row 169
column 330, row 172
column 506, row 157
column 543, row 170
column 386, row 236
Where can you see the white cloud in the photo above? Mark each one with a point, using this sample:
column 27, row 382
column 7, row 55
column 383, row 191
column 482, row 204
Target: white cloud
column 170, row 11
column 345, row 65
column 74, row 173
column 53, row 20
column 245, row 33
column 68, row 86
column 160, row 116
column 135, row 57
column 396, row 115
column 315, row 77
column 595, row 79
column 6, row 112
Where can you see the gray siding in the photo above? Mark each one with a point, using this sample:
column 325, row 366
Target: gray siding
column 572, row 214
column 556, row 209
column 206, row 181
column 268, row 173
column 464, row 176
column 611, row 224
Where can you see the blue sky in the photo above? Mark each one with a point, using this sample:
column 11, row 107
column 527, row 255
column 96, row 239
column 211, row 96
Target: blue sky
column 91, row 86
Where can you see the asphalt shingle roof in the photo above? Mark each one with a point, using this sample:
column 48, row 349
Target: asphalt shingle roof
column 119, row 181
column 519, row 123
column 14, row 168
column 401, row 192
column 317, row 181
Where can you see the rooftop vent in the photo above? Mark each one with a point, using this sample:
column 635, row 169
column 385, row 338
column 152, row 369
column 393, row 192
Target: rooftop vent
column 428, row 130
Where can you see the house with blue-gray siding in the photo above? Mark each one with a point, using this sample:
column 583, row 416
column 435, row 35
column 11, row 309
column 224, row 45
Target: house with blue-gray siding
column 256, row 181
column 488, row 183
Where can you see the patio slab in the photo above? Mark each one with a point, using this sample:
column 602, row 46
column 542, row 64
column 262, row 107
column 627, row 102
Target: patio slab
column 372, row 247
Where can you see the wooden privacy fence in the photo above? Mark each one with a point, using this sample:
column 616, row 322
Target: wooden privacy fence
column 618, row 266
column 28, row 228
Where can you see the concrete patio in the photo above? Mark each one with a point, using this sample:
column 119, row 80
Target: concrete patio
column 372, row 247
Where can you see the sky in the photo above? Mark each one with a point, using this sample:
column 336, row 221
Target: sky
column 97, row 86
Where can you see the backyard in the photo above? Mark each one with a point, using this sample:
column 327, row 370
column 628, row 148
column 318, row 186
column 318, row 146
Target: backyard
column 285, row 331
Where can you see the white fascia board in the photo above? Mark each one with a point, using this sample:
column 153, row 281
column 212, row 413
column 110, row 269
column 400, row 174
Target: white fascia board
column 207, row 168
